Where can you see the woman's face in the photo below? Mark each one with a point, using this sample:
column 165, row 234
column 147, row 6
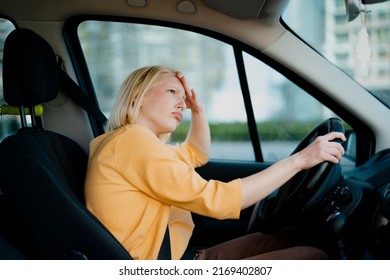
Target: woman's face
column 162, row 105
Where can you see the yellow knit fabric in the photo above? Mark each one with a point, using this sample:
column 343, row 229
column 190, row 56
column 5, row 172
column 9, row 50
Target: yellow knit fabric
column 136, row 185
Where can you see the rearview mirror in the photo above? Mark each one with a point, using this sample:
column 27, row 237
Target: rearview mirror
column 353, row 7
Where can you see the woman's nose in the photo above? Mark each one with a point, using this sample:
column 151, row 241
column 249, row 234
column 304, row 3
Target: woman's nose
column 181, row 104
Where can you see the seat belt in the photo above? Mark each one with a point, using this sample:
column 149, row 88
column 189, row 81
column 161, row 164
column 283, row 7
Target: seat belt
column 165, row 250
column 75, row 92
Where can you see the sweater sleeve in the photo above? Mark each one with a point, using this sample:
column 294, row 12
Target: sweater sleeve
column 158, row 171
column 189, row 154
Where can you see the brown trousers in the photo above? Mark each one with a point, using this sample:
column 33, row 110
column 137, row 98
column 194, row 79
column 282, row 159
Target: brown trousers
column 287, row 244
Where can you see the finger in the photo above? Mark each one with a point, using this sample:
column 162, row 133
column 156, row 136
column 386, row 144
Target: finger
column 184, row 83
column 192, row 94
column 333, row 159
column 190, row 97
column 337, row 152
column 333, row 135
column 331, row 147
column 333, row 156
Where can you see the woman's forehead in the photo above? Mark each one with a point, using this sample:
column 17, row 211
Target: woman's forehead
column 169, row 79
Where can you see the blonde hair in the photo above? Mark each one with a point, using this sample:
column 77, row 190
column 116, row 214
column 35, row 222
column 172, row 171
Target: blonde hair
column 128, row 101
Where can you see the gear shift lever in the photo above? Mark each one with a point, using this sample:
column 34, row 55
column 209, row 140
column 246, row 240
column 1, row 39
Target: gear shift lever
column 337, row 222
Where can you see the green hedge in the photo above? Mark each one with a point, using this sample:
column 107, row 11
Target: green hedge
column 268, row 131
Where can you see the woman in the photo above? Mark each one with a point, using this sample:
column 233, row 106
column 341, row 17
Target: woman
column 137, row 184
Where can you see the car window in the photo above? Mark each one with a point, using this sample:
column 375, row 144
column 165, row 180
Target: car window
column 9, row 123
column 358, row 44
column 114, row 49
column 284, row 112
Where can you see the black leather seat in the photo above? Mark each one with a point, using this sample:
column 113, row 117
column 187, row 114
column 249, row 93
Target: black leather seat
column 43, row 172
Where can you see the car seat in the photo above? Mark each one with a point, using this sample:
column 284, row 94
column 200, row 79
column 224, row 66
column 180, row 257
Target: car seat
column 42, row 209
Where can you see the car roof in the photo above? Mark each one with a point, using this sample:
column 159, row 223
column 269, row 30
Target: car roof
column 225, row 16
column 57, row 10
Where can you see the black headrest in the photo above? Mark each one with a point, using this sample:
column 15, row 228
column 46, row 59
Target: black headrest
column 30, row 71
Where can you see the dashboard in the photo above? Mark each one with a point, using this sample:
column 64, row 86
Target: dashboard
column 364, row 196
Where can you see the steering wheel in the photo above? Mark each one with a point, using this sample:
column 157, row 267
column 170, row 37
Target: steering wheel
column 304, row 190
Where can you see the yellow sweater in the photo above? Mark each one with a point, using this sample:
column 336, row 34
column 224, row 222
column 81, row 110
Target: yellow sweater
column 136, row 185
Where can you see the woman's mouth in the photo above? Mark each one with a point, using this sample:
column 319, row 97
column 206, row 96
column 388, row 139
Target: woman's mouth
column 178, row 116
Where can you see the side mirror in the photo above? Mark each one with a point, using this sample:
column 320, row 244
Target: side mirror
column 350, row 145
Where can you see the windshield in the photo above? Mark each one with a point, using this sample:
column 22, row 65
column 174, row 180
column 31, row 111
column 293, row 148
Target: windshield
column 354, row 37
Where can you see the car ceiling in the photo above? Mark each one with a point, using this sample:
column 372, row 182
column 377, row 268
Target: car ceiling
column 226, row 16
column 59, row 10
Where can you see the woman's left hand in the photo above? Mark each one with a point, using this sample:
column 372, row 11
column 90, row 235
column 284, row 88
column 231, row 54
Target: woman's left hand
column 323, row 148
column 191, row 98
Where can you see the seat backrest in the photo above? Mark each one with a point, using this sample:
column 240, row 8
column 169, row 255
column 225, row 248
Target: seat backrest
column 42, row 173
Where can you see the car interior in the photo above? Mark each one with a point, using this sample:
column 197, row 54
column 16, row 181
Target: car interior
column 57, row 87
